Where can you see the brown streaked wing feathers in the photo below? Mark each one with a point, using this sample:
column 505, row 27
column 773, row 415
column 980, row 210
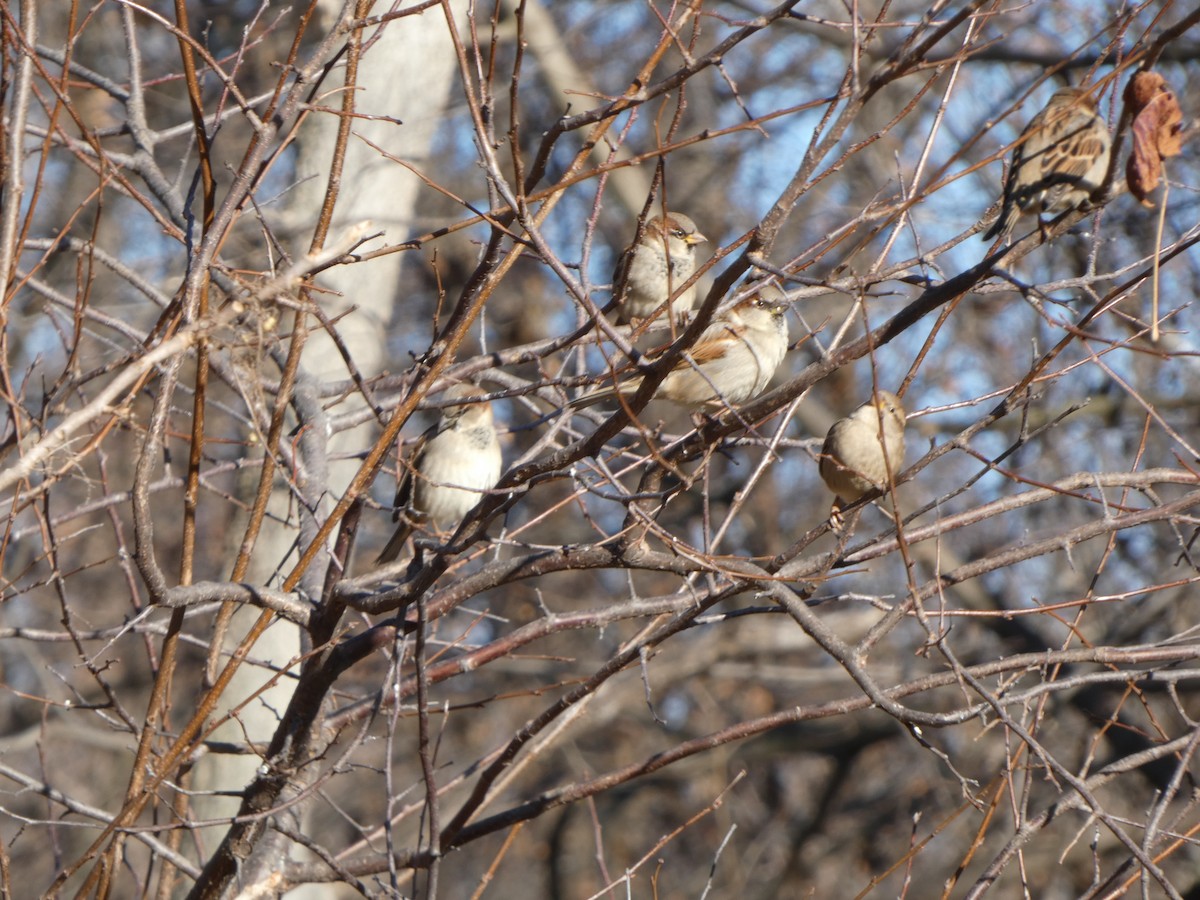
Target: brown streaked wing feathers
column 408, row 465
column 713, row 348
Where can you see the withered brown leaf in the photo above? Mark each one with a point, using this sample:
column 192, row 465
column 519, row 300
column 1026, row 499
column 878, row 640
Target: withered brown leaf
column 1156, row 132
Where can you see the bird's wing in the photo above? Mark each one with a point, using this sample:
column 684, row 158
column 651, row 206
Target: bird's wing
column 1072, row 157
column 620, row 272
column 408, row 465
column 711, row 346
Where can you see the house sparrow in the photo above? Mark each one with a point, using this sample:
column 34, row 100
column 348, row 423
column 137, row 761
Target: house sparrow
column 450, row 466
column 650, row 270
column 1060, row 159
column 732, row 361
column 854, row 460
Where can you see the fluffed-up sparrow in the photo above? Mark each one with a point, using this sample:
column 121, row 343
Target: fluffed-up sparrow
column 864, row 450
column 657, row 265
column 732, row 360
column 449, row 468
column 1060, row 160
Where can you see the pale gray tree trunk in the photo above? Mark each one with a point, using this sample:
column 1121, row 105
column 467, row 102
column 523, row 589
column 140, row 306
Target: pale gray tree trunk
column 405, row 79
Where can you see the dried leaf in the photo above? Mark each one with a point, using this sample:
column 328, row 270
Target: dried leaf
column 1156, row 132
column 1141, row 89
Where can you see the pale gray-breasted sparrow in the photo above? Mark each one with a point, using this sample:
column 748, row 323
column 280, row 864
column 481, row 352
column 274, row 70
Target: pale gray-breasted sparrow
column 1059, row 161
column 732, row 360
column 650, row 270
column 864, row 450
column 449, row 468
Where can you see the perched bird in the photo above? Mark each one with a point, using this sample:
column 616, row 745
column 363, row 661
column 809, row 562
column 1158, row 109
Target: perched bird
column 854, row 458
column 732, row 361
column 450, row 467
column 1059, row 161
column 651, row 269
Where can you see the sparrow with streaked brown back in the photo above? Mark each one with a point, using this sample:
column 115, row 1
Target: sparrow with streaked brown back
column 864, row 450
column 650, row 270
column 450, row 467
column 1059, row 161
column 733, row 359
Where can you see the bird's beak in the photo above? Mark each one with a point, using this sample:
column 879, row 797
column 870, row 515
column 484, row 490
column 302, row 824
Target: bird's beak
column 696, row 238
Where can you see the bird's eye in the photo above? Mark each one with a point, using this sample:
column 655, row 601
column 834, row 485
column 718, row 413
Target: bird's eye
column 679, row 233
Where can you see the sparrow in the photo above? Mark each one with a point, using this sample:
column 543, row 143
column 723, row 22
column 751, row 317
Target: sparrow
column 449, row 468
column 732, row 360
column 655, row 266
column 854, row 458
column 1060, row 159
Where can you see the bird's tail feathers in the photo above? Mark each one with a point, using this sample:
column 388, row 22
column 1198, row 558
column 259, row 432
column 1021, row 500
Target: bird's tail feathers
column 391, row 550
column 627, row 388
column 1005, row 222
